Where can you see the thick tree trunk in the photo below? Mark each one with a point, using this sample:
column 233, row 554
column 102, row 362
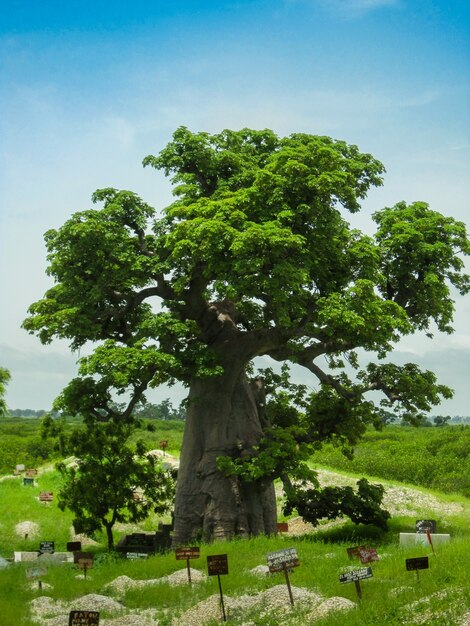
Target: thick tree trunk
column 222, row 420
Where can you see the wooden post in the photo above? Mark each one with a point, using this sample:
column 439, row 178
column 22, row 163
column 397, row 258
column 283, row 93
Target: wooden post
column 358, row 589
column 221, row 598
column 189, row 571
column 286, row 574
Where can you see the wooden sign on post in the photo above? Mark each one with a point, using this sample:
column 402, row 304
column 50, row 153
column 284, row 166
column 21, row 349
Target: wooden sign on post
column 367, row 555
column 354, row 552
column 283, row 561
column 74, row 546
column 217, row 565
column 282, row 527
column 20, row 467
column 31, row 472
column 356, row 576
column 185, row 554
column 36, row 573
column 164, row 445
column 84, row 618
column 46, row 496
column 85, row 562
column 28, row 482
column 417, row 563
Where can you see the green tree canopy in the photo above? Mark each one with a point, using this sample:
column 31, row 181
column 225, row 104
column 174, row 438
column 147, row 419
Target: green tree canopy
column 255, row 257
column 5, row 376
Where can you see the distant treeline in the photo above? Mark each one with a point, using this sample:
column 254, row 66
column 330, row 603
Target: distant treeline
column 162, row 411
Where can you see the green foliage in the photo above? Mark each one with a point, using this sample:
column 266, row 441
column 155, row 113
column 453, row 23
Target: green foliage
column 111, row 482
column 431, row 457
column 362, row 507
column 4, row 378
column 255, row 257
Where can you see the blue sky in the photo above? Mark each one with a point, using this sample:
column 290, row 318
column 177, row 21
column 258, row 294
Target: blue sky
column 87, row 89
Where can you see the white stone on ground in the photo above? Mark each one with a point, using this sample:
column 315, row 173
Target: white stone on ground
column 27, row 528
column 122, row 583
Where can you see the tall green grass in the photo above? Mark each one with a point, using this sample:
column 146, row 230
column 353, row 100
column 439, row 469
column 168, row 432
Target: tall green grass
column 438, row 458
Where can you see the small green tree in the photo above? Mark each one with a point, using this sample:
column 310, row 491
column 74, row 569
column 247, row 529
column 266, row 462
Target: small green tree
column 110, row 482
column 4, row 378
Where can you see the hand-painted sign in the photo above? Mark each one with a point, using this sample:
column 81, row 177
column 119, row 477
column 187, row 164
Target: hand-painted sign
column 28, row 481
column 424, row 525
column 420, row 562
column 133, row 556
column 358, row 574
column 82, row 555
column 46, row 547
column 35, row 572
column 282, row 559
column 367, row 555
column 354, row 552
column 74, row 546
column 282, row 527
column 84, row 618
column 182, row 554
column 46, row 496
column 217, row 564
column 164, row 444
column 31, row 472
column 355, row 577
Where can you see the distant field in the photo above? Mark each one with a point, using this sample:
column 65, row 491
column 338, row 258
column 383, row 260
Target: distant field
column 21, row 442
column 438, row 458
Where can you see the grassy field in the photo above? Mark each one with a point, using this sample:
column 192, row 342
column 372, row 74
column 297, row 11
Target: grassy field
column 438, row 458
column 392, row 596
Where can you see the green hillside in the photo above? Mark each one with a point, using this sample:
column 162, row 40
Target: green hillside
column 135, row 592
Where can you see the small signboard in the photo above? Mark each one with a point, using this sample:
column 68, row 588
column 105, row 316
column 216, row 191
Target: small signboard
column 84, row 618
column 425, row 525
column 183, row 554
column 134, row 556
column 282, row 527
column 46, row 496
column 358, row 574
column 217, row 565
column 31, row 472
column 74, row 546
column 35, row 572
column 355, row 577
column 82, row 555
column 420, row 562
column 282, row 559
column 46, row 547
column 20, row 467
column 85, row 562
column 28, row 482
column 367, row 555
column 354, row 552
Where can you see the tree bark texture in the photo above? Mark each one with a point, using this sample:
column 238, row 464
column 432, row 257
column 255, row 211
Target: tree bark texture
column 223, row 420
